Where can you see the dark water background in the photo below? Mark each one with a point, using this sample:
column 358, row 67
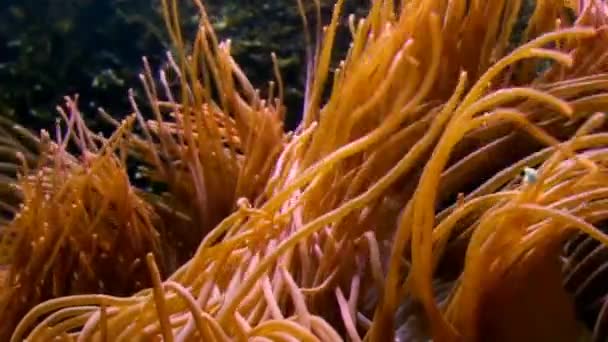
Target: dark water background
column 53, row 48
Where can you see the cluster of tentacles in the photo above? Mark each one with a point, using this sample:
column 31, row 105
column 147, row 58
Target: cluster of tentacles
column 449, row 181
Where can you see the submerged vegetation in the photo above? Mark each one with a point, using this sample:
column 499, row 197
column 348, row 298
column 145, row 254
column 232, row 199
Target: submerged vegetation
column 448, row 181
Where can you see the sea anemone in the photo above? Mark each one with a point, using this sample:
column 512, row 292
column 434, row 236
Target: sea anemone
column 79, row 221
column 444, row 185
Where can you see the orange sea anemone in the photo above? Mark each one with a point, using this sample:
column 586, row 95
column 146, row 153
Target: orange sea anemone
column 447, row 182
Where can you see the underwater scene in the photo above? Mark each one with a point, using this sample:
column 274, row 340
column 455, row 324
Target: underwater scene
column 304, row 170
